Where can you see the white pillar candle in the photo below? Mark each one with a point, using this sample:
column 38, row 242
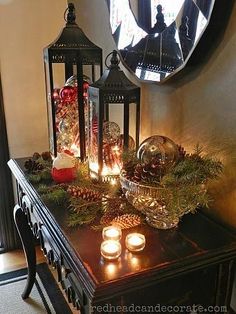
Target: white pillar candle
column 135, row 242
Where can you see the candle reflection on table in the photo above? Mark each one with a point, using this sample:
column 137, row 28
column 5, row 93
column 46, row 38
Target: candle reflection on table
column 111, row 268
column 133, row 260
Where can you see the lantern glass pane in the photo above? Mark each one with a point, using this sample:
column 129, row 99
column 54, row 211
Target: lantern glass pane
column 58, row 75
column 132, row 121
column 112, row 140
column 65, row 103
column 116, row 114
column 93, row 139
column 63, row 109
column 49, row 108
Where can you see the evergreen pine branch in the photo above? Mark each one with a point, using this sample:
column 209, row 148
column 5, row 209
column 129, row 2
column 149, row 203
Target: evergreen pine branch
column 78, row 220
column 86, row 215
column 34, row 178
column 198, row 149
column 59, row 197
column 40, row 176
column 195, row 170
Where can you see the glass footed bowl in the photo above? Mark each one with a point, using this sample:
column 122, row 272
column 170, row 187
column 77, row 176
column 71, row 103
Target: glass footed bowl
column 147, row 200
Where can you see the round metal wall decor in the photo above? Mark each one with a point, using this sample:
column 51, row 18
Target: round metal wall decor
column 157, row 37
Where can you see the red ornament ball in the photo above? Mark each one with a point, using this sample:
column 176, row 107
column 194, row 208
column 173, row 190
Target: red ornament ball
column 85, row 88
column 68, row 94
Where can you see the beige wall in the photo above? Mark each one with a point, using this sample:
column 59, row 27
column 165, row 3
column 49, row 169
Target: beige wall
column 199, row 107
column 26, row 27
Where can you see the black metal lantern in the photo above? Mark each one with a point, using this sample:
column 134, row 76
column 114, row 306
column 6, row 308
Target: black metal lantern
column 114, row 121
column 66, row 61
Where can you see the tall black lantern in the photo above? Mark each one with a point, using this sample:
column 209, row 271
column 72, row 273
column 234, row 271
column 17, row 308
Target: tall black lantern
column 66, row 61
column 114, row 121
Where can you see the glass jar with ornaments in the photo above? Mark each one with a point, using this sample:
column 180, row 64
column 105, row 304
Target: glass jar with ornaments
column 67, row 115
column 112, row 150
column 164, row 182
column 64, row 168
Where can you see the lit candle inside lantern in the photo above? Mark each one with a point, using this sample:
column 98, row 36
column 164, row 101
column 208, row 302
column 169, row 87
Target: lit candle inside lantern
column 106, row 171
column 110, row 249
column 111, row 233
column 135, row 242
column 115, row 170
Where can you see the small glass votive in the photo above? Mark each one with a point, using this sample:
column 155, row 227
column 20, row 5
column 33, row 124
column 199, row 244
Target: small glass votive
column 111, row 233
column 135, row 242
column 110, row 249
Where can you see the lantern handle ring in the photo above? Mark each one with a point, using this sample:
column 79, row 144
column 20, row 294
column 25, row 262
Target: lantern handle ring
column 114, row 60
column 66, row 10
column 69, row 14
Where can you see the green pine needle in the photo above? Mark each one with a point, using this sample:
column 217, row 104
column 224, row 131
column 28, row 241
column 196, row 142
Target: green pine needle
column 35, row 178
column 59, row 197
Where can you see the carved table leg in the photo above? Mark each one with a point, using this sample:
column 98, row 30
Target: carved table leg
column 28, row 246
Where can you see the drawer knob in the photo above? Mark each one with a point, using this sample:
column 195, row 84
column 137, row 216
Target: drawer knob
column 35, row 229
column 65, row 271
column 50, row 257
column 77, row 304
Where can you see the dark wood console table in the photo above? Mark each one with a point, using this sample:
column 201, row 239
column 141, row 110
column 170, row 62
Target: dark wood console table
column 187, row 266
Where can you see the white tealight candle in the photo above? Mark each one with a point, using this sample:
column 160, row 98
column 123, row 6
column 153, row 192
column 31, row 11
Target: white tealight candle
column 111, row 233
column 110, row 249
column 135, row 242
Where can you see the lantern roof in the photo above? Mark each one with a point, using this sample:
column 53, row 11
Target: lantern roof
column 73, row 40
column 114, row 79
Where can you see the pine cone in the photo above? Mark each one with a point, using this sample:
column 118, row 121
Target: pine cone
column 33, row 166
column 36, row 156
column 126, row 221
column 137, row 177
column 109, row 216
column 84, row 193
column 149, row 173
column 128, row 169
column 46, row 156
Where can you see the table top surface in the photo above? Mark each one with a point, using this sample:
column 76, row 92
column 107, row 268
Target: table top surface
column 197, row 241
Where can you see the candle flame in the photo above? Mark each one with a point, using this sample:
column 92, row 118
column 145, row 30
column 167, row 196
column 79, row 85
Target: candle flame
column 115, row 170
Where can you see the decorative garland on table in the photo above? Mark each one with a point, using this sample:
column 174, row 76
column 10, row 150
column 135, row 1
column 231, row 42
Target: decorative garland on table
column 88, row 202
column 181, row 183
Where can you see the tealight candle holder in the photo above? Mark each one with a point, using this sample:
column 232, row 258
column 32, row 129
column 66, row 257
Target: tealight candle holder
column 110, row 249
column 135, row 242
column 111, row 233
